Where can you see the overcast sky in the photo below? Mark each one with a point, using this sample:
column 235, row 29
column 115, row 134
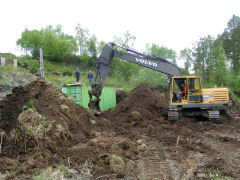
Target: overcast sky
column 175, row 24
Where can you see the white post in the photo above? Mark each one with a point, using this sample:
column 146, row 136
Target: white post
column 15, row 63
column 2, row 61
column 41, row 63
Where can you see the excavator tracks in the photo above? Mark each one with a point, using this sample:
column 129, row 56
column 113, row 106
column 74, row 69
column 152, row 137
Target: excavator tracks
column 213, row 116
column 173, row 116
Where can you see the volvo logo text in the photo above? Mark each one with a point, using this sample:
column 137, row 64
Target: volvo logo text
column 146, row 62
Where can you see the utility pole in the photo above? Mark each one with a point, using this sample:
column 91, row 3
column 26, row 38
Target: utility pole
column 41, row 63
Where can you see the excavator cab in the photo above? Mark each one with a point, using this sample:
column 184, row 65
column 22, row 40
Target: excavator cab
column 179, row 92
column 185, row 90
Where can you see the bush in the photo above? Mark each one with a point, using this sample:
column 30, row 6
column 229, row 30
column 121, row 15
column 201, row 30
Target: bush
column 31, row 64
column 67, row 71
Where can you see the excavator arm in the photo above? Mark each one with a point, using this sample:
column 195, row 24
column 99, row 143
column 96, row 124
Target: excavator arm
column 109, row 51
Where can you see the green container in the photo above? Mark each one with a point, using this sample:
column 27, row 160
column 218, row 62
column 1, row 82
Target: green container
column 79, row 95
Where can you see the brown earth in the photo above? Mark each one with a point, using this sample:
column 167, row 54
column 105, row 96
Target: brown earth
column 132, row 141
column 120, row 95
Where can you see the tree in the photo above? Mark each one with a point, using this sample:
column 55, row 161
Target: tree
column 82, row 35
column 186, row 56
column 203, row 62
column 220, row 64
column 128, row 40
column 56, row 45
column 231, row 42
column 163, row 52
column 121, row 68
column 210, row 62
column 87, row 42
column 92, row 46
column 147, row 49
column 31, row 41
column 100, row 47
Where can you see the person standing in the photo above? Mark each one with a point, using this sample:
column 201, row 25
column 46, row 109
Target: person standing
column 90, row 77
column 77, row 74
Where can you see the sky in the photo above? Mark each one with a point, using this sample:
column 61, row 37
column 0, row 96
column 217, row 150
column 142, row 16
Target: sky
column 175, row 24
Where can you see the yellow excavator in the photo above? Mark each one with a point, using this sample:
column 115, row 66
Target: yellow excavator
column 187, row 97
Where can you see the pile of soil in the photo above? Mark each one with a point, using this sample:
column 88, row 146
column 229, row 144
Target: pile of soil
column 44, row 128
column 143, row 108
column 120, row 95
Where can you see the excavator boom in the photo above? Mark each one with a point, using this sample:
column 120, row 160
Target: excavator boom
column 109, row 51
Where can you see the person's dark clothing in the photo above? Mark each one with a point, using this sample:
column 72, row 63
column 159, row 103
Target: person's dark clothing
column 77, row 74
column 90, row 78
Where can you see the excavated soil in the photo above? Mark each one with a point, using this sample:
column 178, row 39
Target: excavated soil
column 44, row 128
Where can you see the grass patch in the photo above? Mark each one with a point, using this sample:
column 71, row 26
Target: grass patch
column 32, row 65
column 116, row 163
column 64, row 170
column 44, row 175
column 7, row 68
column 29, row 106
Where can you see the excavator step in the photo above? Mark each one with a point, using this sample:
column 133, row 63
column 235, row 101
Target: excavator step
column 173, row 116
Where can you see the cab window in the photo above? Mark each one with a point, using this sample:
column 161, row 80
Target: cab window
column 194, row 84
column 178, row 89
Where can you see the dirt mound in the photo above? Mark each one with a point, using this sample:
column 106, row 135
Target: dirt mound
column 48, row 101
column 42, row 127
column 145, row 97
column 143, row 108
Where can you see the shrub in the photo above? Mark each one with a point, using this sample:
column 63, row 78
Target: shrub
column 29, row 106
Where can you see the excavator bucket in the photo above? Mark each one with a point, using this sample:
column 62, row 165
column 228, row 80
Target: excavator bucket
column 94, row 103
column 94, row 106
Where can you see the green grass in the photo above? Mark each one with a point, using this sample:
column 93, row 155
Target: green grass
column 7, row 68
column 56, row 73
column 4, row 76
